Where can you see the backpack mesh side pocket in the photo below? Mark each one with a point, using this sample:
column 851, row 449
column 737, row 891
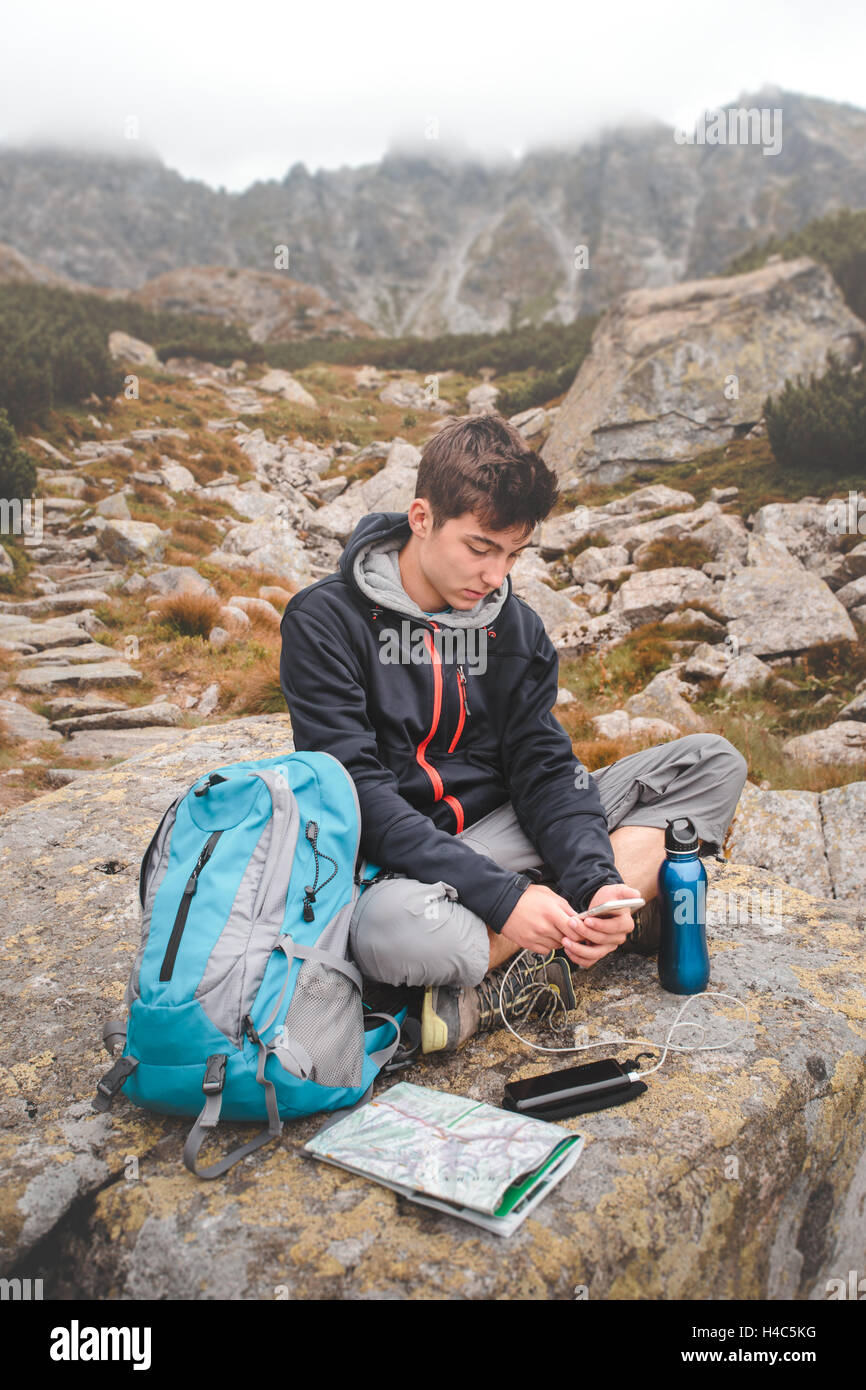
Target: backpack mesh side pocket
column 327, row 1018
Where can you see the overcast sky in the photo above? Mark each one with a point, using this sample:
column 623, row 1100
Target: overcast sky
column 241, row 92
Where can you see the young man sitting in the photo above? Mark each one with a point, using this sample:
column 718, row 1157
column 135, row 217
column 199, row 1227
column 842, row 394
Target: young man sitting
column 433, row 684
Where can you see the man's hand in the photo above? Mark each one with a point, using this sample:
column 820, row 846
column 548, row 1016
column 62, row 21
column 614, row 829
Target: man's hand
column 542, row 920
column 598, row 936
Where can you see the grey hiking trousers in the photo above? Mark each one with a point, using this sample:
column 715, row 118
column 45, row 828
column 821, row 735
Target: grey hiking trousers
column 404, row 932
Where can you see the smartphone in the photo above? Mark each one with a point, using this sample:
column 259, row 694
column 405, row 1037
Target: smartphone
column 555, row 1087
column 610, row 909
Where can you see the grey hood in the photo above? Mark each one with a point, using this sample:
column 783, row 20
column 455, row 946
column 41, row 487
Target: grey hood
column 376, row 572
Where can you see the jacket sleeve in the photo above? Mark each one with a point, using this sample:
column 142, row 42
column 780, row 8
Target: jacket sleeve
column 556, row 801
column 323, row 684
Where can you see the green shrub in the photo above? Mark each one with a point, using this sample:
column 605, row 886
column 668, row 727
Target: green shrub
column 819, row 427
column 17, row 471
column 837, row 241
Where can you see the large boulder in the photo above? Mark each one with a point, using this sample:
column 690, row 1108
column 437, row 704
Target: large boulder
column 675, row 370
column 732, row 1215
column 775, row 610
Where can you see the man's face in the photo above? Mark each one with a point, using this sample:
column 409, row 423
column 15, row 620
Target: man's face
column 465, row 561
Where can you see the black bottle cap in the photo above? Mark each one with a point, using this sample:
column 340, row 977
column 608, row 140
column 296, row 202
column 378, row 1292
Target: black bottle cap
column 680, row 835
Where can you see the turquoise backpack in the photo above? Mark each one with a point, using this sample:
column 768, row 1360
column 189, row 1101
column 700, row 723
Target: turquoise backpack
column 242, row 1000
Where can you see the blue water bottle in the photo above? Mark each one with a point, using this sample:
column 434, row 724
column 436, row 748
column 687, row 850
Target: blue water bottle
column 684, row 962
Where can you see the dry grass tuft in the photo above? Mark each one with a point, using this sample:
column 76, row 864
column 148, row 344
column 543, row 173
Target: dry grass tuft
column 190, row 615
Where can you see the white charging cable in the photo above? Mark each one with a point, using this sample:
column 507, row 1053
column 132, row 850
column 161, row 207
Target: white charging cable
column 667, row 1045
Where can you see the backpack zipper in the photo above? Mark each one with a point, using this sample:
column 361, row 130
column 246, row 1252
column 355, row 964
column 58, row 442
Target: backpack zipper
column 183, row 910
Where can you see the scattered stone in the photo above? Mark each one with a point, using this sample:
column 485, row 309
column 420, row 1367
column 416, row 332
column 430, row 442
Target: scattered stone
column 481, row 400
column 782, row 831
column 842, row 742
column 550, row 605
column 275, row 594
column 693, row 615
column 648, row 595
column 134, row 584
column 744, row 672
column 122, row 541
column 219, row 638
column 235, row 619
column 176, row 477
column 115, row 507
column 209, row 699
column 6, row 565
column 61, row 777
column 564, row 696
column 21, row 722
column 178, row 579
column 532, row 422
column 256, row 608
column 281, row 383
column 856, row 708
column 48, row 449
column 619, row 724
column 409, row 395
column 853, row 594
column 596, row 560
column 124, row 348
column 707, row 662
column 663, row 699
column 54, row 632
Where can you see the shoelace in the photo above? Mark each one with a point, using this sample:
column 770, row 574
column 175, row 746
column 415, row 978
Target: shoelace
column 524, row 995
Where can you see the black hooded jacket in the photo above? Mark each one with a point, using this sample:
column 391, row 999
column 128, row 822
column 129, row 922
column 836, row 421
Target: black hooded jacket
column 438, row 728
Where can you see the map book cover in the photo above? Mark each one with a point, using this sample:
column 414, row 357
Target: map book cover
column 457, row 1155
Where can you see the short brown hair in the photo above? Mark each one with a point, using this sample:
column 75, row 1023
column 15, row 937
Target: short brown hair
column 482, row 464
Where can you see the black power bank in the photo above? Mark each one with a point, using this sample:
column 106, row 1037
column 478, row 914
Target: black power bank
column 572, row 1090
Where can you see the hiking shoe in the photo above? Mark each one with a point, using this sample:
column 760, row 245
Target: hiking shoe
column 645, row 938
column 538, row 986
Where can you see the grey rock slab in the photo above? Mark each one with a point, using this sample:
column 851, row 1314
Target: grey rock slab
column 68, row 707
column 163, row 714
column 64, row 602
column 42, row 636
column 843, row 812
column 282, row 1225
column 97, row 673
column 782, row 831
column 118, row 743
column 83, row 651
